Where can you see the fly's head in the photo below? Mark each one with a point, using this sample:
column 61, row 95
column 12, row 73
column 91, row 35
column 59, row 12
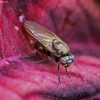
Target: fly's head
column 67, row 60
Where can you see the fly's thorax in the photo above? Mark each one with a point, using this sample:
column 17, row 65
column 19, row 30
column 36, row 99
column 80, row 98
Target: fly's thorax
column 67, row 60
column 61, row 48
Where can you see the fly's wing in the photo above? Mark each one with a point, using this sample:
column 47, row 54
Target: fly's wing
column 42, row 34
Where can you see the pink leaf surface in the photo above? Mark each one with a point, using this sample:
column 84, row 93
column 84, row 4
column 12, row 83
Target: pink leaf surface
column 76, row 22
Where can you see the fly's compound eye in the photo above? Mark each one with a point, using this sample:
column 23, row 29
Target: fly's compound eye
column 69, row 61
column 71, row 56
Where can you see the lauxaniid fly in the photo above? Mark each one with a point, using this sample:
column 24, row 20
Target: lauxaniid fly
column 50, row 45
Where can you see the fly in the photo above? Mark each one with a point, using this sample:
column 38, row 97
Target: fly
column 50, row 45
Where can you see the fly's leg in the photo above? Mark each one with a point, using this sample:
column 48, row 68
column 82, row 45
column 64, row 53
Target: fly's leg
column 46, row 55
column 28, row 56
column 67, row 72
column 59, row 72
column 41, row 61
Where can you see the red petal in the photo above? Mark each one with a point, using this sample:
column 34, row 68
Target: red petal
column 77, row 22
